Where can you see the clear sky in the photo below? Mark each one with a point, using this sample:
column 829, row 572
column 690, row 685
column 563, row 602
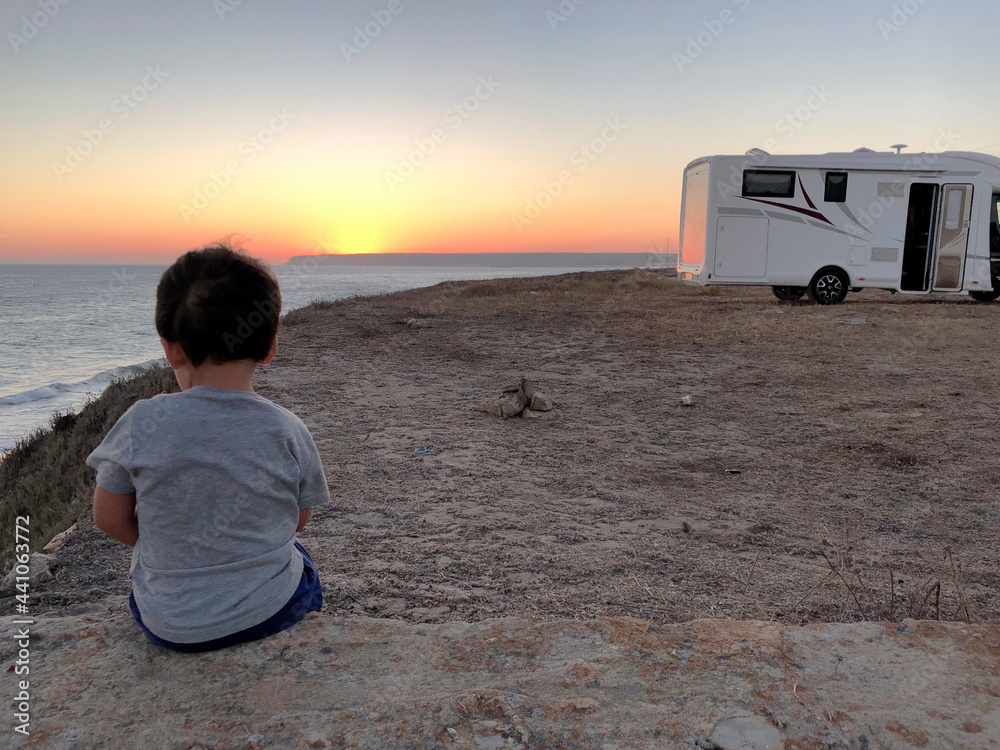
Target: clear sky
column 133, row 130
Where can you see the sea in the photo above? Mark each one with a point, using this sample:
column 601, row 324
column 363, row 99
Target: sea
column 67, row 331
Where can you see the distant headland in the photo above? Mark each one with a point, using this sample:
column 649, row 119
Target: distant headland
column 495, row 260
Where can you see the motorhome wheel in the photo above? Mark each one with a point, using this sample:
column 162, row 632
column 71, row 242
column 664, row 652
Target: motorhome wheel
column 829, row 287
column 789, row 293
column 986, row 296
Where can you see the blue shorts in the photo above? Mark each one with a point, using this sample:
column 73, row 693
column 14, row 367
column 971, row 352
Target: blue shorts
column 308, row 597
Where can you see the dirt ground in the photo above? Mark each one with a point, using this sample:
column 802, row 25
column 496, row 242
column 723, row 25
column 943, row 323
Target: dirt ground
column 864, row 437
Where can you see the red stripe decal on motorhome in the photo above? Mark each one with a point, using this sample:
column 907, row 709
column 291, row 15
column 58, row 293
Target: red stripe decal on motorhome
column 808, row 199
column 805, row 211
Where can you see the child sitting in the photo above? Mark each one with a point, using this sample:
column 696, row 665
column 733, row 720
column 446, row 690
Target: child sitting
column 210, row 485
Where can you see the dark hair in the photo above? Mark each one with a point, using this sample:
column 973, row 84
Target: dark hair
column 219, row 304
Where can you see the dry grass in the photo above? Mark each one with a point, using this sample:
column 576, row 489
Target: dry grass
column 45, row 476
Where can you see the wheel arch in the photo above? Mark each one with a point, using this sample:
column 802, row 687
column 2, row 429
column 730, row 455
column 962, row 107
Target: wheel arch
column 833, row 267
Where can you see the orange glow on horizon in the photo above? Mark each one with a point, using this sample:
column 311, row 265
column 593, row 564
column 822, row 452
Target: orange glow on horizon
column 468, row 200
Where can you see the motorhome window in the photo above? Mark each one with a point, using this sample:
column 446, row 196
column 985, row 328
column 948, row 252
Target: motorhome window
column 761, row 183
column 953, row 205
column 836, row 187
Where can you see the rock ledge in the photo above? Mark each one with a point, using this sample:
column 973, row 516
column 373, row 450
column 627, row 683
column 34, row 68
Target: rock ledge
column 334, row 682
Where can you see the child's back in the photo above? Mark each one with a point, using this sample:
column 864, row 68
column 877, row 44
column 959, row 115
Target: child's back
column 211, row 484
column 221, row 476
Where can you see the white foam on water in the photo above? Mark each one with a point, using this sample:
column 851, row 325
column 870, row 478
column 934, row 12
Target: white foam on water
column 22, row 413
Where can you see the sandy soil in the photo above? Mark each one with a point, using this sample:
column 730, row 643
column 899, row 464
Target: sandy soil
column 864, row 435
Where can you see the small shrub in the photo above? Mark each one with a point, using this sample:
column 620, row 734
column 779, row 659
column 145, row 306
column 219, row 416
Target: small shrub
column 45, row 478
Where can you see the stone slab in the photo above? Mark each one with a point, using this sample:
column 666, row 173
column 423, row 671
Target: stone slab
column 333, row 682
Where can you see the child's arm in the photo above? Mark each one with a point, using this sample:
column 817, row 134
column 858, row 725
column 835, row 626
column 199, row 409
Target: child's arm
column 115, row 515
column 303, row 519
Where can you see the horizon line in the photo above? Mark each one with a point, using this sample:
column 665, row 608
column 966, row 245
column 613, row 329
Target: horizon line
column 80, row 262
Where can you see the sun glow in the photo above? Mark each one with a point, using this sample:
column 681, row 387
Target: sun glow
column 360, row 240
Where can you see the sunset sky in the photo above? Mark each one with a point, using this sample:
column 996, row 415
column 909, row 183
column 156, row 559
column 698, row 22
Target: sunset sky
column 134, row 130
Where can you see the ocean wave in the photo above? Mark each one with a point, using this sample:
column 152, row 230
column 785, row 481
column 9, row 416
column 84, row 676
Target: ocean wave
column 94, row 384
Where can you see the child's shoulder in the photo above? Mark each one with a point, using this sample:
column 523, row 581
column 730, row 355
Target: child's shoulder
column 200, row 401
column 280, row 413
column 255, row 406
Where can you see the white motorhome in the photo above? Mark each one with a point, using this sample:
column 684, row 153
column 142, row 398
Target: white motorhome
column 827, row 224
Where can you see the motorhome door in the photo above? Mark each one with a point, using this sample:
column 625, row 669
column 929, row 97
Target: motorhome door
column 995, row 229
column 952, row 237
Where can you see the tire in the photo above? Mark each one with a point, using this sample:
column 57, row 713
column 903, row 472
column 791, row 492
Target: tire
column 789, row 293
column 829, row 286
column 986, row 296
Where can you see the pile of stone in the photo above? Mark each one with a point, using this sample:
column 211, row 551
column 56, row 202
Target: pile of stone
column 522, row 399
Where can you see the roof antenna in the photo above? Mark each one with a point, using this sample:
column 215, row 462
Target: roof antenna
column 757, row 152
column 899, row 147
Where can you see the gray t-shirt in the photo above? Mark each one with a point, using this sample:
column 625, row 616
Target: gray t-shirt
column 219, row 477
